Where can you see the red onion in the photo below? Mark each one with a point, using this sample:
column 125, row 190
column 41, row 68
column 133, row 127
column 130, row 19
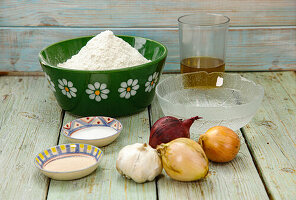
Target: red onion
column 169, row 128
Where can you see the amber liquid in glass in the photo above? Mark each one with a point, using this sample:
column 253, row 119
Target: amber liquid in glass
column 206, row 64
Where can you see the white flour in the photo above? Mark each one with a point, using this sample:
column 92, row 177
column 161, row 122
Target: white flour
column 103, row 52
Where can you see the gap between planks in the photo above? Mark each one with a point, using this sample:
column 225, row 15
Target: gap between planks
column 24, row 73
column 62, row 116
column 144, row 28
column 255, row 163
column 141, row 12
column 150, row 125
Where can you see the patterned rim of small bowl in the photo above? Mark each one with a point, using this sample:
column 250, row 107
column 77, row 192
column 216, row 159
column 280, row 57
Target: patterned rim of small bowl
column 98, row 155
column 68, row 130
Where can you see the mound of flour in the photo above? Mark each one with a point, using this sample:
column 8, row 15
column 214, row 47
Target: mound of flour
column 103, row 52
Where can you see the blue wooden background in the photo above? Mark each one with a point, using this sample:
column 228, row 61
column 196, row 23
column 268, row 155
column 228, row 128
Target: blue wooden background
column 262, row 35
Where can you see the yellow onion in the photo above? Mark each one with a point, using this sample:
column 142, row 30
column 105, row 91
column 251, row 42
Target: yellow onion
column 221, row 144
column 184, row 160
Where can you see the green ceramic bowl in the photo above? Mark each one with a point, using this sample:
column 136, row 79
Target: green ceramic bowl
column 107, row 93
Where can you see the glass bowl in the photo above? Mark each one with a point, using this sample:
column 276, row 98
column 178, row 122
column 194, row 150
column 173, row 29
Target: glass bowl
column 221, row 99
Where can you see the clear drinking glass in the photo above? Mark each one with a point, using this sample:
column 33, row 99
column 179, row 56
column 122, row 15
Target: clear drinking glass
column 202, row 39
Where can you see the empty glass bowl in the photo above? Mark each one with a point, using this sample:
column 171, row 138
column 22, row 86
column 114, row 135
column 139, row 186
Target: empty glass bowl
column 221, row 99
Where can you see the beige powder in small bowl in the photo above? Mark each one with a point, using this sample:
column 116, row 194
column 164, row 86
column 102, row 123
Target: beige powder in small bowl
column 70, row 163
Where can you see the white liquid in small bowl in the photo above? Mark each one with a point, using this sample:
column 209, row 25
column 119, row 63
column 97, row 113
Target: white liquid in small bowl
column 95, row 132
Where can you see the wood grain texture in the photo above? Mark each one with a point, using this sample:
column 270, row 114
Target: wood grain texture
column 106, row 182
column 237, row 179
column 30, row 120
column 248, row 49
column 29, row 123
column 271, row 134
column 21, row 73
column 139, row 13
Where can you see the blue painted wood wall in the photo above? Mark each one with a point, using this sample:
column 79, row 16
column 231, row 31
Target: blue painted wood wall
column 262, row 35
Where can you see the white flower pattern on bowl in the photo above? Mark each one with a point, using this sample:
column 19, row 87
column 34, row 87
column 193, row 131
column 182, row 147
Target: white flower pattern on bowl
column 67, row 88
column 51, row 84
column 152, row 80
column 128, row 88
column 97, row 91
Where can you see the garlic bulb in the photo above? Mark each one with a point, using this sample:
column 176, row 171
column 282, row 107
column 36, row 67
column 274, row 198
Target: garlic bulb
column 139, row 162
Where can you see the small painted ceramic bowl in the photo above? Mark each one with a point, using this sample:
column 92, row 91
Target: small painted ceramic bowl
column 68, row 161
column 98, row 131
column 117, row 92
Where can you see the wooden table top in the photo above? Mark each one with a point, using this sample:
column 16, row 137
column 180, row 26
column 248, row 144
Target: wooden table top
column 30, row 121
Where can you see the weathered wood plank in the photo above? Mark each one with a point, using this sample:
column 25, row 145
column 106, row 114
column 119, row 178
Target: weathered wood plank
column 139, row 13
column 237, row 179
column 249, row 49
column 29, row 123
column 271, row 134
column 105, row 182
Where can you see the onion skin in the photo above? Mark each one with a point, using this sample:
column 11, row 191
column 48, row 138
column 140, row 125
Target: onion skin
column 220, row 144
column 169, row 128
column 184, row 160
